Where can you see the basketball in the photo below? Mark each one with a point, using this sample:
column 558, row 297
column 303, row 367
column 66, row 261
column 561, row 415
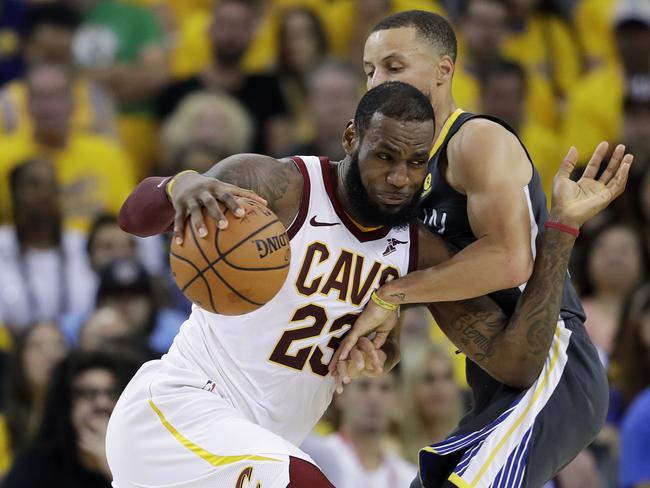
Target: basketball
column 235, row 270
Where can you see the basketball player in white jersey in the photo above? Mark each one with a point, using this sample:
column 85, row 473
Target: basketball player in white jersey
column 229, row 403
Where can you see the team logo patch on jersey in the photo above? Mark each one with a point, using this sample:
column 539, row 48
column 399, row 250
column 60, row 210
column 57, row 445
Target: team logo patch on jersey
column 426, row 187
column 209, row 386
column 392, row 246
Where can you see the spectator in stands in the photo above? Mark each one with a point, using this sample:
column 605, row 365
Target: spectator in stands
column 44, row 266
column 630, row 373
column 636, row 131
column 367, row 406
column 126, row 286
column 482, row 29
column 432, row 402
column 214, row 120
column 121, row 45
column 614, row 263
column 48, row 38
column 13, row 15
column 232, row 30
column 595, row 105
column 302, row 46
column 503, row 93
column 333, row 90
column 68, row 451
column 36, row 353
column 94, row 173
column 105, row 330
column 416, row 327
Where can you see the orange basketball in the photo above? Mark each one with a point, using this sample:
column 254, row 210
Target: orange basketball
column 235, row 270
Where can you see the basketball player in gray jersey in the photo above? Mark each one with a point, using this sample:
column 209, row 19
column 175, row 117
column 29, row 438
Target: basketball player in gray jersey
column 533, row 385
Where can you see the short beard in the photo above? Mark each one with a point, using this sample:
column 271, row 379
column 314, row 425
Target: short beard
column 368, row 211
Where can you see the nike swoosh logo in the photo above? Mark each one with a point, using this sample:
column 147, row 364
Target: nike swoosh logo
column 322, row 224
column 159, row 185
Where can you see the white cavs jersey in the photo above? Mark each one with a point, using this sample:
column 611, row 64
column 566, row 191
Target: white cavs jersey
column 271, row 364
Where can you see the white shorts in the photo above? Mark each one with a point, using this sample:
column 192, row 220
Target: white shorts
column 171, row 428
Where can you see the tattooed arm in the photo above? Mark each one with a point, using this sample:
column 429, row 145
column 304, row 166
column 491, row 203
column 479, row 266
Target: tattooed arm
column 149, row 210
column 512, row 351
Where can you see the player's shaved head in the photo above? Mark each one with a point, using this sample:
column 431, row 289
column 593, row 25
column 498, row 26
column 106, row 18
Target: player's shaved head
column 396, row 100
column 430, row 27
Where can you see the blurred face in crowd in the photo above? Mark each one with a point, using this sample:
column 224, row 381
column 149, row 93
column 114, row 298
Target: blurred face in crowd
column 615, row 263
column 636, row 133
column 300, row 41
column 36, row 196
column 104, row 330
column 367, row 405
column 211, row 127
column 110, row 244
column 633, row 41
column 483, row 28
column 333, row 95
column 416, row 326
column 49, row 43
column 94, row 395
column 232, row 31
column 44, row 348
column 502, row 95
column 136, row 308
column 435, row 391
column 50, row 102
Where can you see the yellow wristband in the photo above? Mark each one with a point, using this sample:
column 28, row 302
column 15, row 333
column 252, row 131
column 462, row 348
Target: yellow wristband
column 170, row 184
column 383, row 303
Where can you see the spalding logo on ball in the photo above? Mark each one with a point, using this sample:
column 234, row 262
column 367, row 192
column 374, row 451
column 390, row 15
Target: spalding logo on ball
column 236, row 270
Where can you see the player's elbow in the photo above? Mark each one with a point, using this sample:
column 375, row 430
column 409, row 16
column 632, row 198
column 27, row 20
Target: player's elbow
column 518, row 269
column 521, row 373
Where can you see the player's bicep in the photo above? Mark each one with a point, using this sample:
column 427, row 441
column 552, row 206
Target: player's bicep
column 272, row 179
column 432, row 248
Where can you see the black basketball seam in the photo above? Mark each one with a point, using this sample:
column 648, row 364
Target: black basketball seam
column 196, row 243
column 198, row 275
column 223, row 255
column 210, row 265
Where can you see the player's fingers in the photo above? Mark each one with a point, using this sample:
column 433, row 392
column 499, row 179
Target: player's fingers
column 244, row 193
column 196, row 218
column 179, row 223
column 568, row 163
column 343, row 374
column 613, row 165
column 380, row 338
column 347, row 344
column 617, row 184
column 596, row 158
column 370, row 353
column 358, row 362
column 229, row 200
column 210, row 203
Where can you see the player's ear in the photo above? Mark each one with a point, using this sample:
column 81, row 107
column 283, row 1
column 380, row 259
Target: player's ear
column 444, row 70
column 350, row 138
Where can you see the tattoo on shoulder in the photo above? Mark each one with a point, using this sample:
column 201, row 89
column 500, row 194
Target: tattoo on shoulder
column 270, row 183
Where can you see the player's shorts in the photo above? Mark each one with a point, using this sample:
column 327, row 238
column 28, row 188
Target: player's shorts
column 172, row 428
column 535, row 432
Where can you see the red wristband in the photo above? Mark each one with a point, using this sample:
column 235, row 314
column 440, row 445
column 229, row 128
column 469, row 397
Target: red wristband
column 561, row 227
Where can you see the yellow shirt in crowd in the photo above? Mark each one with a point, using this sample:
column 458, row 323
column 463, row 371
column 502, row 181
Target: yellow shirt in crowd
column 93, row 110
column 94, row 173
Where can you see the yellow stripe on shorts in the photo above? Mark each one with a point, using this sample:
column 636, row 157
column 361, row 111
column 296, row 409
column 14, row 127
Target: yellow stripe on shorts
column 213, row 459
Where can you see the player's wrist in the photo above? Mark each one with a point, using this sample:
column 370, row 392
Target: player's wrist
column 562, row 217
column 389, row 294
column 169, row 187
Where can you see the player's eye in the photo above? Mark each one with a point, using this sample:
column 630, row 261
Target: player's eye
column 384, row 156
column 418, row 162
column 394, row 69
column 370, row 74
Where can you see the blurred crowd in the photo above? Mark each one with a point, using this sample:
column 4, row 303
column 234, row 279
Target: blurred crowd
column 97, row 94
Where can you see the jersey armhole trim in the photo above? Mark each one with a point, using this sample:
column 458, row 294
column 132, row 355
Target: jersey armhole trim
column 304, row 198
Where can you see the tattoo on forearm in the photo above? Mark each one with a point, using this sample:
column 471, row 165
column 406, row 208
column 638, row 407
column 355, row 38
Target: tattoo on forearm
column 539, row 307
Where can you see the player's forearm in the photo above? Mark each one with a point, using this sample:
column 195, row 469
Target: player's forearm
column 479, row 269
column 147, row 211
column 531, row 328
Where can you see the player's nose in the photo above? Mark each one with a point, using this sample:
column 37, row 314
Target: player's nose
column 398, row 176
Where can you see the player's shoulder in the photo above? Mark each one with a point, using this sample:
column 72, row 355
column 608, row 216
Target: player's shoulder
column 480, row 134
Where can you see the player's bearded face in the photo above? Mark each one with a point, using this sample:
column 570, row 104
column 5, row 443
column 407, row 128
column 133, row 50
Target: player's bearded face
column 369, row 211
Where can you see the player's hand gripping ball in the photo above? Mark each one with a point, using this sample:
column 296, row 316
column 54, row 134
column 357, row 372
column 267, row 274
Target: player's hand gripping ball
column 236, row 270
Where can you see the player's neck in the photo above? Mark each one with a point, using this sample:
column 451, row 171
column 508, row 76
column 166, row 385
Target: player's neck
column 366, row 445
column 442, row 108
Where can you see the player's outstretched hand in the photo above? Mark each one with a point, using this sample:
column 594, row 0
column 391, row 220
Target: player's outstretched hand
column 192, row 191
column 365, row 360
column 575, row 202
